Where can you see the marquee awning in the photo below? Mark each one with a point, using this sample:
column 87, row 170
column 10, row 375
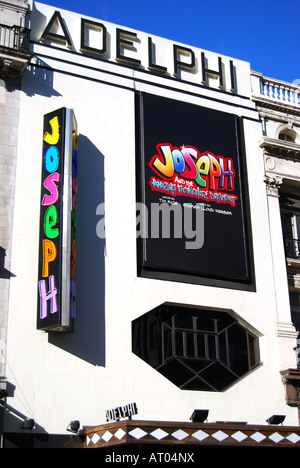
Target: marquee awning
column 182, row 434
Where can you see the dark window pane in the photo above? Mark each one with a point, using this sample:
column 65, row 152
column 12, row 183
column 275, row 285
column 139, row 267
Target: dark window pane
column 179, row 343
column 295, row 300
column 286, row 221
column 212, row 346
column 184, row 321
column 252, row 351
column 190, row 347
column 223, row 348
column 205, row 323
column 286, row 137
column 201, row 345
column 296, row 320
column 238, row 350
column 168, row 343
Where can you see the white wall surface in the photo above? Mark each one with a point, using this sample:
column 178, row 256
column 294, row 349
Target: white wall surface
column 63, row 377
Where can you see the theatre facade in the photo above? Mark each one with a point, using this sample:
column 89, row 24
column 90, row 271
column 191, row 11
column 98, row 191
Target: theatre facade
column 149, row 240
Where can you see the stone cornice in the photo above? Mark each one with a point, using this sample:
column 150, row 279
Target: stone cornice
column 15, row 5
column 280, row 148
column 268, row 105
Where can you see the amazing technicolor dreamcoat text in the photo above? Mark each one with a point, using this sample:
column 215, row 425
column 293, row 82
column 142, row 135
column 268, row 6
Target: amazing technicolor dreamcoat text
column 187, row 172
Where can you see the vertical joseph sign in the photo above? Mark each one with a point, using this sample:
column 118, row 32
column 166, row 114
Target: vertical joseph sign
column 57, row 245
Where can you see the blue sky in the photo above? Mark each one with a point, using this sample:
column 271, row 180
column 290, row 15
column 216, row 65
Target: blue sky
column 264, row 33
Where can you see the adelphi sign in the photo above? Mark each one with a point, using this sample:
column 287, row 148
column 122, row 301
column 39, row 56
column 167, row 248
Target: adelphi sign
column 140, row 51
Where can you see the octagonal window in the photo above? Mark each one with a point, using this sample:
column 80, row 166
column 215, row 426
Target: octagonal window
column 195, row 349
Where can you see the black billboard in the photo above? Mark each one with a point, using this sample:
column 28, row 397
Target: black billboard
column 192, row 201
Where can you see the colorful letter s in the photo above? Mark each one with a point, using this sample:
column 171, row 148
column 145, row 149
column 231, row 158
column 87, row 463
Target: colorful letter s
column 50, row 185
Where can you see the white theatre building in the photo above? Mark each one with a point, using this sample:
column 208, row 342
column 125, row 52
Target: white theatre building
column 150, row 255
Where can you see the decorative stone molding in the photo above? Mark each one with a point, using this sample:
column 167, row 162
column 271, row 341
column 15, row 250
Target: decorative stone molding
column 12, row 67
column 277, row 116
column 273, row 184
column 19, row 6
column 280, row 148
column 286, row 330
column 293, row 278
column 291, row 380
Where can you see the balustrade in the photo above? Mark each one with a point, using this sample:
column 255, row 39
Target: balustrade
column 14, row 38
column 276, row 90
column 287, row 94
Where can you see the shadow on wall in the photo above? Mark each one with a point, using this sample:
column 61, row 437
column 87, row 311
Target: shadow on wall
column 88, row 340
column 38, row 79
column 4, row 273
column 36, row 437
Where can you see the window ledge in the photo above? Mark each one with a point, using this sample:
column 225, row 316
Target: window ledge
column 12, row 66
column 293, row 263
column 280, row 147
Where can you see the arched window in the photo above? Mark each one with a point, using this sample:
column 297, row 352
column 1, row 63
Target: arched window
column 286, row 136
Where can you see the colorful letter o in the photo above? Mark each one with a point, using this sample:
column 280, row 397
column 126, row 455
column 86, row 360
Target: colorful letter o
column 178, row 160
column 51, row 159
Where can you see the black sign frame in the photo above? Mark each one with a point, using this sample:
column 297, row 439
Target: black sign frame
column 161, row 120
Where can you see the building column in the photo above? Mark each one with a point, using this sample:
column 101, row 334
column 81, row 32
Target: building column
column 285, row 331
